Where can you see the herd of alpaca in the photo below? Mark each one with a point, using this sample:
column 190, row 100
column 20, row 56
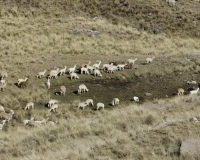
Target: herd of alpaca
column 95, row 70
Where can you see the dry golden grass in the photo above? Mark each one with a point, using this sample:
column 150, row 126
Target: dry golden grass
column 112, row 134
column 36, row 36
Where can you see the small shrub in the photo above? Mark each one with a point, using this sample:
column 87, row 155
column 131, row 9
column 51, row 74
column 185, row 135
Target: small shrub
column 149, row 120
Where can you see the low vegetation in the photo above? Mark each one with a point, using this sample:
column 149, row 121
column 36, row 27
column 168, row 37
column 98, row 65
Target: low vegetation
column 43, row 35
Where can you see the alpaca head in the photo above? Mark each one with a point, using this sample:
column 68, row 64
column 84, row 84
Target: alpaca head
column 4, row 121
column 12, row 112
column 136, row 99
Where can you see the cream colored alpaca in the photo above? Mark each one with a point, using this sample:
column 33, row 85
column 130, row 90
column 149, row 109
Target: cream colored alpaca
column 115, row 101
column 62, row 90
column 41, row 74
column 86, row 65
column 82, row 89
column 97, row 73
column 53, row 73
column 48, row 84
column 6, row 116
column 62, row 71
column 84, row 70
column 132, row 61
column 52, row 102
column 74, row 76
column 90, row 101
column 28, row 105
column 180, row 91
column 72, row 70
column 54, row 107
column 100, row 105
column 82, row 105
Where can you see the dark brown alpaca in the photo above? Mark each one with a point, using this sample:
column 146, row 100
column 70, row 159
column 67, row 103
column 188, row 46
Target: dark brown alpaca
column 23, row 84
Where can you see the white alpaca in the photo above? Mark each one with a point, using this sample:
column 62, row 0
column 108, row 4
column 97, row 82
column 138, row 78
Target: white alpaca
column 97, row 73
column 41, row 74
column 4, row 74
column 121, row 66
column 100, row 105
column 62, row 71
column 74, row 76
column 82, row 89
column 149, row 60
column 194, row 91
column 52, row 102
column 90, row 101
column 27, row 120
column 53, row 73
column 132, row 61
column 7, row 116
column 2, row 81
column 71, row 70
column 97, row 65
column 111, row 69
column 106, row 66
column 115, row 101
column 62, row 90
column 82, row 105
column 136, row 99
column 54, row 107
column 28, row 105
column 48, row 84
column 90, row 68
column 1, row 125
column 21, row 80
column 84, row 70
column 191, row 82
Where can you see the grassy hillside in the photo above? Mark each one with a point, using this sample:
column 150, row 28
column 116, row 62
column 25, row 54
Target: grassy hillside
column 32, row 27
column 42, row 34
column 183, row 19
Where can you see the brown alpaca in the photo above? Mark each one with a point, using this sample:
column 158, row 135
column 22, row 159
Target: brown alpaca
column 128, row 66
column 85, row 65
column 23, row 84
column 2, row 86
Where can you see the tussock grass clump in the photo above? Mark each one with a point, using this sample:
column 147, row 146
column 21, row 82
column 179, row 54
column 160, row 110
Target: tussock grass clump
column 149, row 120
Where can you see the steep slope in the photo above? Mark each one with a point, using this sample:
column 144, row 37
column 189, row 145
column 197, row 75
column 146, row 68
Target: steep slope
column 154, row 16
